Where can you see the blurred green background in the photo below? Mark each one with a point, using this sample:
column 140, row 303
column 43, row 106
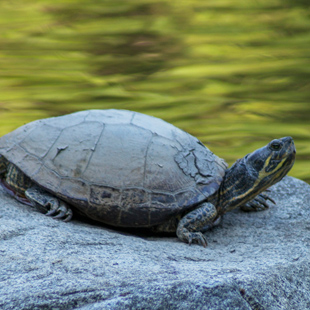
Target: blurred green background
column 234, row 73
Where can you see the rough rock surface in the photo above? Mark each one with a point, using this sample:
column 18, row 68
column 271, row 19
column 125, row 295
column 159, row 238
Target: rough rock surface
column 254, row 261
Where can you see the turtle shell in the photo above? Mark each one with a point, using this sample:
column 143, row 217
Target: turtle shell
column 119, row 167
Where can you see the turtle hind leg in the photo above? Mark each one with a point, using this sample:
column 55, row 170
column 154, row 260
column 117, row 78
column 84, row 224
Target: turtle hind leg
column 190, row 226
column 49, row 204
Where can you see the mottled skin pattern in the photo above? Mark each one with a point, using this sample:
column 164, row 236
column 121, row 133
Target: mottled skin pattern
column 127, row 169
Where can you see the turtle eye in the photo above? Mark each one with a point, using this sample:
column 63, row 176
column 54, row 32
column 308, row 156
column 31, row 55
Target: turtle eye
column 275, row 145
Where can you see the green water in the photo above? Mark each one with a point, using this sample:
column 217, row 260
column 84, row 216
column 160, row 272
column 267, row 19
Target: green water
column 234, row 73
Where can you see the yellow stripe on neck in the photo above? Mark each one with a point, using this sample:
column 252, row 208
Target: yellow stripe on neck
column 262, row 174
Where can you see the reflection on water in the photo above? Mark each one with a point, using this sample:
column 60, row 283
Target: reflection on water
column 234, row 73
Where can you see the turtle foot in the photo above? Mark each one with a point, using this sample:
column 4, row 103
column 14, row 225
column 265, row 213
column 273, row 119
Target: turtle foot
column 62, row 212
column 49, row 204
column 192, row 237
column 259, row 203
column 190, row 226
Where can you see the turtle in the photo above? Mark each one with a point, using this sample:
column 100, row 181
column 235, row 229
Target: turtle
column 127, row 169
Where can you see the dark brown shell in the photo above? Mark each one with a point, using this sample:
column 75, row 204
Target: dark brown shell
column 119, row 167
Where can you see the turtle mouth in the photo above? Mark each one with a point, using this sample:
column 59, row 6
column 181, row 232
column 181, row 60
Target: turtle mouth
column 293, row 148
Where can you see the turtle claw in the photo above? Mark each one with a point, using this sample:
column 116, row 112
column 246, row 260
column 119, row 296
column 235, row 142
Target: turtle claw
column 198, row 237
column 64, row 216
column 193, row 237
column 51, row 212
column 266, row 197
column 69, row 216
column 60, row 215
column 190, row 239
column 64, row 213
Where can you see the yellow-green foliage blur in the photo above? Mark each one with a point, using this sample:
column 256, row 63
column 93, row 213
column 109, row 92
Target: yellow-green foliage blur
column 234, row 73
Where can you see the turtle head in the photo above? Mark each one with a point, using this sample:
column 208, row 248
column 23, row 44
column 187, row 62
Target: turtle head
column 272, row 162
column 257, row 171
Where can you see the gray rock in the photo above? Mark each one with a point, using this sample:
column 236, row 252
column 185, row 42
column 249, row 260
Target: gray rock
column 254, row 261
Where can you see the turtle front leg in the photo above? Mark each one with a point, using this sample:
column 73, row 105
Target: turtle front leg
column 48, row 203
column 259, row 203
column 190, row 226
